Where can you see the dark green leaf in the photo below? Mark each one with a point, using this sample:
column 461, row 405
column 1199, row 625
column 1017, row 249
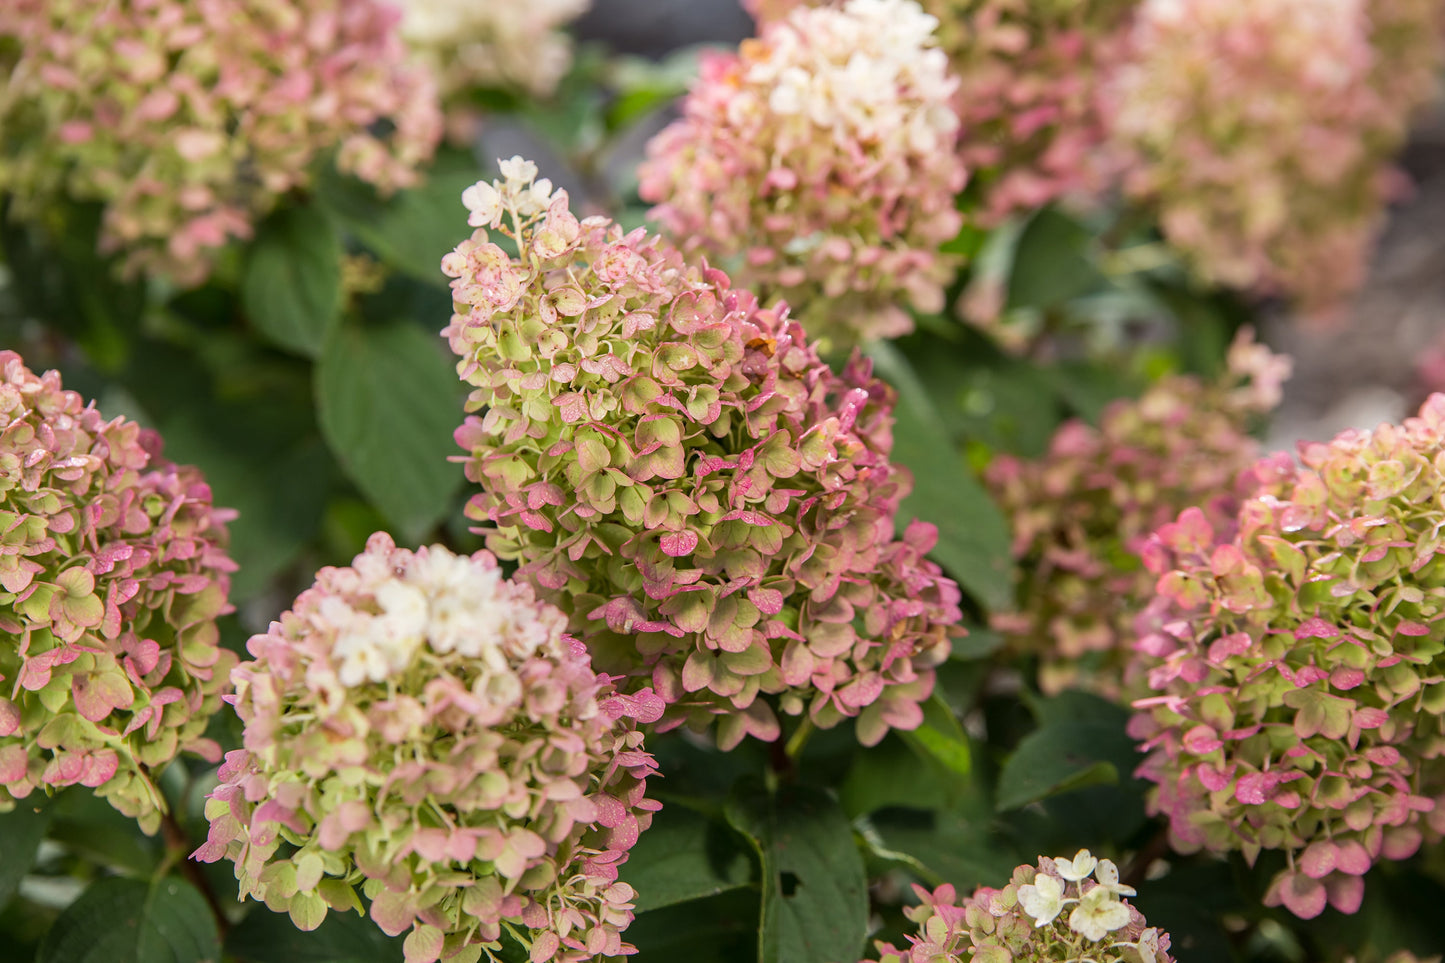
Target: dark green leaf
column 720, row 929
column 1051, row 264
column 891, row 774
column 388, row 400
column 21, row 831
column 684, row 856
column 414, row 229
column 815, row 901
column 130, row 921
column 1080, row 742
column 267, row 937
column 973, row 537
column 93, row 829
column 291, row 291
column 941, row 738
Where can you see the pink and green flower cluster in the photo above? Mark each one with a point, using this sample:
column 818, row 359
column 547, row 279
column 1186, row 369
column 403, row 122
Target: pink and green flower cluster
column 113, row 569
column 421, row 729
column 1261, row 131
column 1082, row 513
column 1061, row 911
column 1299, row 668
column 188, row 119
column 677, row 470
column 822, row 159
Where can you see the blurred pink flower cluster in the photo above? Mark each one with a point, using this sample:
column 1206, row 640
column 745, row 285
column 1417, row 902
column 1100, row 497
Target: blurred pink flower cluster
column 1262, row 131
column 1059, row 911
column 676, row 469
column 422, row 728
column 1298, row 665
column 1082, row 513
column 499, row 43
column 1028, row 96
column 822, row 159
column 113, row 569
column 188, row 119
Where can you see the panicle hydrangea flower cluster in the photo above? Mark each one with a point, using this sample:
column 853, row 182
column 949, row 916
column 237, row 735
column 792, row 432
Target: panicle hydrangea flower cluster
column 1083, row 512
column 112, row 571
column 822, row 157
column 421, row 727
column 188, row 119
column 675, row 468
column 1262, row 131
column 1299, row 664
column 499, row 43
column 1030, row 78
column 1035, row 919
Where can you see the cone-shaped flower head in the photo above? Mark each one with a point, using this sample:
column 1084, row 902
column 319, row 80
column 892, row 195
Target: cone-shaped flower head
column 112, row 571
column 188, row 119
column 1083, row 512
column 1262, row 129
column 673, row 466
column 1030, row 78
column 1059, row 911
column 419, row 727
column 822, row 158
column 497, row 44
column 1300, row 664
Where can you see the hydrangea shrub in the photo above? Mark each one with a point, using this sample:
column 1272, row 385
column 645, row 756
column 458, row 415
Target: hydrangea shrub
column 113, row 569
column 821, row 161
column 422, row 730
column 1059, row 911
column 1083, row 513
column 1261, row 132
column 189, row 120
column 1298, row 672
column 675, row 468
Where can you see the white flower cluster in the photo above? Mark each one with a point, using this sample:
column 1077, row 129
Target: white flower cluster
column 518, row 190
column 451, row 603
column 1097, row 910
column 861, row 71
column 492, row 42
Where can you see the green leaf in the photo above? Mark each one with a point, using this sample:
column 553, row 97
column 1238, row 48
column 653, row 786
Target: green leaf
column 21, row 831
column 1081, row 741
column 941, row 737
column 888, row 775
column 291, row 289
column 815, row 901
column 267, row 937
column 719, row 929
column 388, row 401
column 414, row 229
column 130, row 921
column 684, row 856
column 93, row 829
column 973, row 536
column 1051, row 262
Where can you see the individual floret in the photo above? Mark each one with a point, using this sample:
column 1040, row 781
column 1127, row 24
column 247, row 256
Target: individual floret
column 675, row 468
column 1061, row 911
column 113, row 569
column 1262, row 130
column 1300, row 665
column 189, row 119
column 1083, row 512
column 822, row 158
column 422, row 729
